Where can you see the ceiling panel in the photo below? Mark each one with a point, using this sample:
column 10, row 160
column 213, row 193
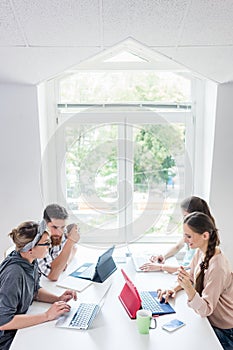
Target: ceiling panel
column 10, row 34
column 152, row 22
column 209, row 23
column 59, row 23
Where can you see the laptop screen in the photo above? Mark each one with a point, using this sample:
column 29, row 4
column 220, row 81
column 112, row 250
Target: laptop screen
column 105, row 256
column 105, row 265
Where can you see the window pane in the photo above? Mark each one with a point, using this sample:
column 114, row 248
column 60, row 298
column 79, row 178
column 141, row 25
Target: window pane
column 91, row 177
column 124, row 86
column 116, row 193
column 125, row 179
column 159, row 163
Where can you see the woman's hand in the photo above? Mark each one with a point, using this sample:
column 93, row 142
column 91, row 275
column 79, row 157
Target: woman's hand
column 68, row 295
column 56, row 310
column 151, row 267
column 166, row 294
column 158, row 259
column 183, row 278
column 184, row 281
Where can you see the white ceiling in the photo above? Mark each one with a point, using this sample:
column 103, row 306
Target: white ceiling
column 41, row 38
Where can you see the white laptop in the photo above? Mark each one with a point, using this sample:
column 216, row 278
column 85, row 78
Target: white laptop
column 82, row 314
column 138, row 261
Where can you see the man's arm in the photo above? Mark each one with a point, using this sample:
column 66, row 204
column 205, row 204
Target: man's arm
column 60, row 262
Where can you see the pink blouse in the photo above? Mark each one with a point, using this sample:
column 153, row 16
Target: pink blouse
column 216, row 301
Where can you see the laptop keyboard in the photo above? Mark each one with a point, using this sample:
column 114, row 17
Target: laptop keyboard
column 150, row 303
column 89, row 272
column 139, row 261
column 84, row 315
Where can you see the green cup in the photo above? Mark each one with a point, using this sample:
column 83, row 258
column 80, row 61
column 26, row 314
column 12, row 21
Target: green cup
column 144, row 320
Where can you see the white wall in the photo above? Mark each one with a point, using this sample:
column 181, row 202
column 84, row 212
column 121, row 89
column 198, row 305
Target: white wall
column 205, row 95
column 208, row 136
column 20, row 197
column 198, row 90
column 47, row 124
column 221, row 190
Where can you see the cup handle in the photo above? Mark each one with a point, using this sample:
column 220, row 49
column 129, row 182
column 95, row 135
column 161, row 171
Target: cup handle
column 155, row 323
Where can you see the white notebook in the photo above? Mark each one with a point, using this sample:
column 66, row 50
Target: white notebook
column 74, row 283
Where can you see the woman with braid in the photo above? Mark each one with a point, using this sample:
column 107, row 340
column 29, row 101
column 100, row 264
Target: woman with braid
column 158, row 262
column 209, row 285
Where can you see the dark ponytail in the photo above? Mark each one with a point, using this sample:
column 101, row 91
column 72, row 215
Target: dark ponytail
column 200, row 223
column 194, row 203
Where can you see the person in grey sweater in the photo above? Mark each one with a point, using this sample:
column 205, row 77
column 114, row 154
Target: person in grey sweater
column 20, row 283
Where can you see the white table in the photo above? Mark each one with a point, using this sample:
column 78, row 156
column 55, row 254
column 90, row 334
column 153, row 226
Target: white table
column 113, row 329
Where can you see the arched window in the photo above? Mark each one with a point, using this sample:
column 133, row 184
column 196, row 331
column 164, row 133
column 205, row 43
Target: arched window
column 123, row 144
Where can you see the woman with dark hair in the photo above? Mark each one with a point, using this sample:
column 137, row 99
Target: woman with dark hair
column 19, row 283
column 191, row 204
column 209, row 285
column 158, row 262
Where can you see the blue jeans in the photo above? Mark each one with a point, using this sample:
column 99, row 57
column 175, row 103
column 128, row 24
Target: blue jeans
column 225, row 337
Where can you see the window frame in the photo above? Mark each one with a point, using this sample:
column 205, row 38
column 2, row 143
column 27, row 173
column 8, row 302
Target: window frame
column 119, row 114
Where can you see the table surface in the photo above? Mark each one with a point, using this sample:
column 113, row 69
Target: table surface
column 113, row 329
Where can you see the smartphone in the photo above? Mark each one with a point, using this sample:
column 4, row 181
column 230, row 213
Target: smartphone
column 173, row 325
column 68, row 229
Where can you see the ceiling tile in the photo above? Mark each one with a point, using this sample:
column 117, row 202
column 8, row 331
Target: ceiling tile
column 209, row 23
column 9, row 30
column 59, row 23
column 155, row 22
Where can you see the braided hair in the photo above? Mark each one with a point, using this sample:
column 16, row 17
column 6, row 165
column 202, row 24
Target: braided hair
column 200, row 223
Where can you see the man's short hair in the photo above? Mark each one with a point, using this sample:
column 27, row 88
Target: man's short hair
column 55, row 211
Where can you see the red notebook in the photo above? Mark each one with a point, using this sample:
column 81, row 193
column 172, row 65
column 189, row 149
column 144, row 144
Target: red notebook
column 132, row 300
column 130, row 297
